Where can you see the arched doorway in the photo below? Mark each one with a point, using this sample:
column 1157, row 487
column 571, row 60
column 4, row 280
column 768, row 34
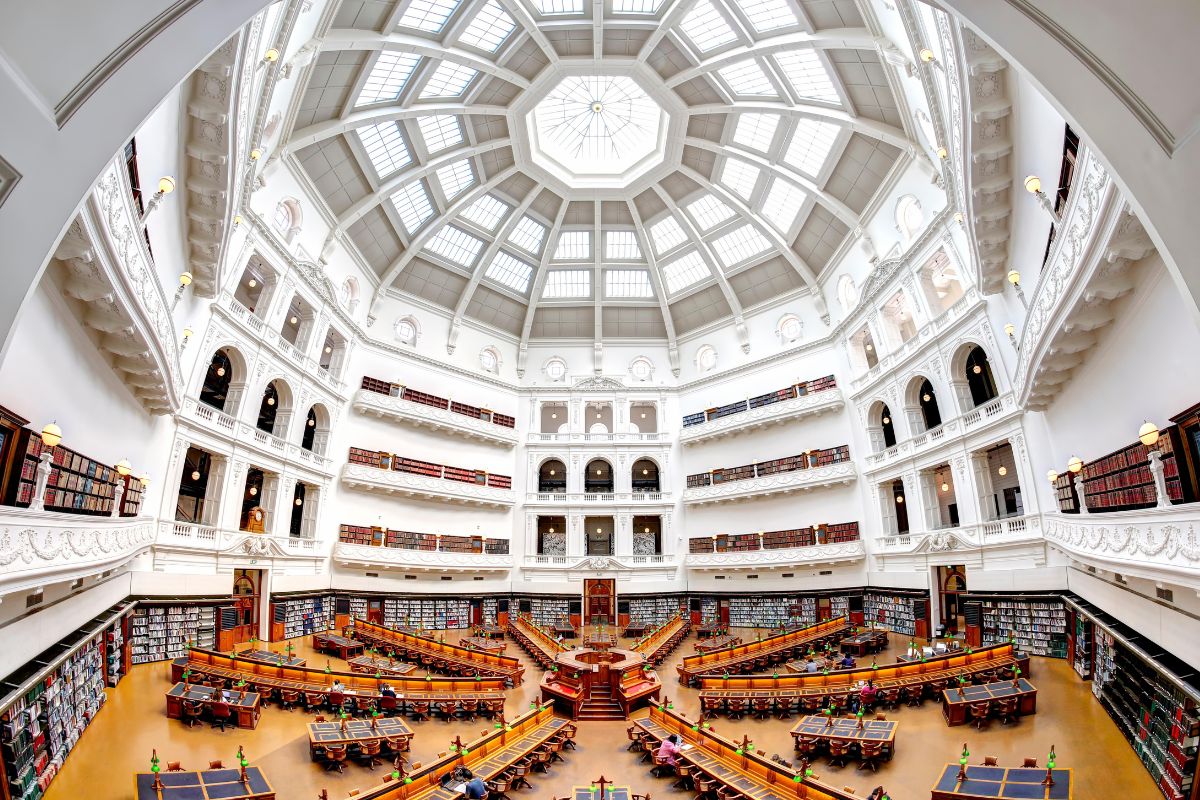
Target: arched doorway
column 599, row 601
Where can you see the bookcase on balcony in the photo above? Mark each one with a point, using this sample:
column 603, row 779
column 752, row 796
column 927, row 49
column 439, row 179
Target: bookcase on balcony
column 777, row 396
column 428, row 469
column 433, row 401
column 777, row 540
column 374, row 536
column 806, row 460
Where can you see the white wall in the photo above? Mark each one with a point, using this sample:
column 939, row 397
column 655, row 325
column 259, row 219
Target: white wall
column 1177, row 631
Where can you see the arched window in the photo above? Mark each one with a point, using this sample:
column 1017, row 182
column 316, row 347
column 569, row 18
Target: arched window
column 268, row 409
column 847, row 293
column 215, row 390
column 598, row 477
column 552, row 477
column 909, row 217
column 348, row 294
column 927, row 402
column 407, row 331
column 706, row 358
column 308, row 437
column 288, row 218
column 555, row 370
column 979, row 377
column 789, row 329
column 489, row 359
column 645, row 476
column 880, row 427
column 641, row 369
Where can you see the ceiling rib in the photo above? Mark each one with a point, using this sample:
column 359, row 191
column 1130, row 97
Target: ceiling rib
column 660, row 291
column 535, row 291
column 349, row 39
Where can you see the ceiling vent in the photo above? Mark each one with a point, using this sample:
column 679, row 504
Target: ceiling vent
column 788, row 575
column 410, row 577
column 718, row 577
column 34, row 598
column 825, row 572
column 371, row 574
column 1120, row 578
column 1165, row 594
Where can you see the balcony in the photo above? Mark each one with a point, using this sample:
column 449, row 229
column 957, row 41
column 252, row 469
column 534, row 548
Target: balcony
column 249, row 435
column 407, row 484
column 764, row 416
column 39, row 547
column 814, row 469
column 649, row 566
column 597, row 438
column 361, row 555
column 975, row 420
column 993, row 533
column 787, row 557
column 426, row 416
column 236, row 546
column 1154, row 543
column 596, row 498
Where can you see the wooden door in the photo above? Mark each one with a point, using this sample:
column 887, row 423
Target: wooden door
column 599, row 601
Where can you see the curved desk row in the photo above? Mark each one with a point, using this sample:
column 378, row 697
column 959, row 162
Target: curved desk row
column 434, row 655
column 617, row 674
column 659, row 643
column 539, row 643
column 772, row 650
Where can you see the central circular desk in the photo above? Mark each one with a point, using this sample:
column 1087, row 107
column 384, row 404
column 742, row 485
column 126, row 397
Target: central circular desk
column 600, row 684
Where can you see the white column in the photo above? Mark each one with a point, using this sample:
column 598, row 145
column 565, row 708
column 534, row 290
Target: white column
column 230, row 507
column 575, row 535
column 623, row 542
column 214, row 491
column 917, row 517
column 984, row 497
column 966, row 491
column 927, row 481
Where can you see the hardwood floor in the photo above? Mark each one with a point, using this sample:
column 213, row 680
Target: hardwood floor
column 133, row 722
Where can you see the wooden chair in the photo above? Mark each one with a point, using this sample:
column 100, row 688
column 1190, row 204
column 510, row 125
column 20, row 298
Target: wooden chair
column 174, row 766
column 1007, row 710
column 554, row 747
column 711, row 706
column 890, row 698
column 871, row 753
column 541, row 761
column 519, row 772
column 568, row 736
column 808, row 746
column 469, row 709
column 418, row 710
column 648, row 748
column 706, row 788
column 221, row 714
column 498, row 787
column 313, row 701
column 981, row 714
column 783, row 707
column 1030, row 763
column 879, row 717
column 335, row 700
column 218, row 764
column 811, row 704
column 444, row 709
column 335, row 756
column 736, row 707
column 192, row 711
column 991, row 761
column 914, row 695
column 369, row 752
column 397, row 745
column 683, row 777
column 762, row 707
column 388, row 705
column 839, row 751
column 634, row 735
column 288, row 698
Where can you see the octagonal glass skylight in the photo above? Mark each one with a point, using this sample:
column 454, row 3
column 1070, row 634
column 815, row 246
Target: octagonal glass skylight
column 599, row 128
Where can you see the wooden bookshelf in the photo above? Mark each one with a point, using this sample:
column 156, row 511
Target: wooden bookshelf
column 777, row 540
column 162, row 632
column 806, row 460
column 433, row 401
column 413, row 466
column 77, row 484
column 777, row 396
column 410, row 540
column 1036, row 624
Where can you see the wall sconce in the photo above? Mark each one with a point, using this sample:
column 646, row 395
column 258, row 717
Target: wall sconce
column 187, row 335
column 1052, row 476
column 1075, row 464
column 124, row 467
column 145, row 481
column 51, row 434
column 887, row 420
column 926, row 55
column 958, row 217
column 1010, row 331
column 166, row 185
column 927, row 397
column 943, row 153
column 185, row 280
column 550, row 530
column 1148, row 434
column 945, row 486
column 1014, row 278
column 271, row 56
column 256, row 154
column 1033, row 185
column 312, row 423
column 237, row 220
column 328, row 349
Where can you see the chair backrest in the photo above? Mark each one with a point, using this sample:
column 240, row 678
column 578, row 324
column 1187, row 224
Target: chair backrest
column 388, row 702
column 221, row 709
column 1030, row 762
column 173, row 766
column 218, row 764
column 990, row 761
column 336, row 698
column 335, row 751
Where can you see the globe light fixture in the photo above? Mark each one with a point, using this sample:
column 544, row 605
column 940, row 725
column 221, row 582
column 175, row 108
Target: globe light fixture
column 977, row 369
column 926, row 54
column 252, row 283
column 943, row 153
column 145, row 481
column 51, row 434
column 195, row 474
column 299, row 502
column 1148, row 433
column 271, row 55
column 124, row 467
column 1033, row 184
column 253, row 491
column 1052, row 476
column 900, row 499
column 887, row 420
column 220, row 372
column 256, row 154
column 1002, row 471
column 1075, row 464
column 945, row 486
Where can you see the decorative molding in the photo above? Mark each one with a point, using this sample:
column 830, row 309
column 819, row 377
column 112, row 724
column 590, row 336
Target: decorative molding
column 360, row 476
column 359, row 555
column 423, row 416
column 792, row 556
column 41, row 547
column 1152, row 542
column 780, row 483
column 9, row 178
column 763, row 416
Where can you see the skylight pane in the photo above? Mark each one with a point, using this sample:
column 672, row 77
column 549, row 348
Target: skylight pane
column 756, row 131
column 635, row 6
column 449, row 80
column 391, row 71
column 666, row 234
column 559, row 6
column 709, row 212
column 684, row 272
column 489, row 29
column 456, row 177
column 562, row 283
column 455, row 245
column 747, row 78
column 810, row 146
column 428, row 15
column 767, row 15
column 439, row 131
column 627, row 283
column 739, row 177
column 528, row 234
column 385, row 147
column 486, row 212
column 740, row 244
column 413, row 206
column 509, row 271
column 807, row 75
column 573, row 245
column 783, row 204
column 622, row 246
column 705, row 26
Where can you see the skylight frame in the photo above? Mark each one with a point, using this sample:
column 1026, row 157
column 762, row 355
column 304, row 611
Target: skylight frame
column 429, row 16
column 528, row 234
column 455, row 178
column 455, row 245
column 685, row 272
column 557, row 8
column 667, row 234
column 440, row 132
column 811, row 145
column 414, row 206
column 488, row 33
column 487, row 212
column 740, row 245
column 768, row 15
column 806, row 73
column 450, row 80
column 568, row 284
column 756, row 130
column 509, row 271
column 739, row 177
column 747, row 79
column 706, row 28
column 709, row 212
column 621, row 246
column 628, row 284
column 573, row 246
column 783, row 203
column 385, row 146
column 389, row 75
column 648, row 7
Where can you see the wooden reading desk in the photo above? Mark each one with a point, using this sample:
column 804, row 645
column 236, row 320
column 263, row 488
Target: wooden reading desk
column 488, row 631
column 610, row 793
column 244, row 705
column 437, row 656
column 564, row 628
column 1001, row 783
column 760, row 654
column 846, row 729
column 213, row 784
column 340, row 645
column 599, row 641
column 717, row 643
column 636, row 630
column 956, row 702
column 658, row 643
column 269, row 657
column 865, row 642
column 377, row 665
column 708, row 628
column 355, row 731
column 538, row 642
column 483, row 644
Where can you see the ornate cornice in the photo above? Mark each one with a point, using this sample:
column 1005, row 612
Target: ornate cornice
column 774, row 414
column 779, row 483
column 793, row 556
column 371, row 479
column 42, row 547
column 399, row 409
column 1150, row 542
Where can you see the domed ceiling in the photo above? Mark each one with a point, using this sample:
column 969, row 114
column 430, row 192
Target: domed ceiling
column 615, row 169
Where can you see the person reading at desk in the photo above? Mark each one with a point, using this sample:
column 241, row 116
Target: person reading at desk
column 386, row 691
column 337, row 686
column 847, row 662
column 867, row 694
column 475, row 789
column 811, row 666
column 669, row 750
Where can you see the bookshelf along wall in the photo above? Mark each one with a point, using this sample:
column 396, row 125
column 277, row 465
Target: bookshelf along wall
column 358, row 608
column 1084, row 646
column 1121, row 480
column 549, row 610
column 491, row 609
column 157, row 633
column 776, row 540
column 439, row 614
column 1037, row 626
column 396, row 463
column 774, row 611
column 76, row 485
column 1155, row 715
column 777, row 396
column 808, row 460
column 894, row 612
column 433, row 401
column 654, row 610
column 305, row 615
column 41, row 727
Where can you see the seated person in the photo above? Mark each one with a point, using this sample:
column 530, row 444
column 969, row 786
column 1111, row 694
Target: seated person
column 868, row 694
column 475, row 789
column 668, row 752
column 459, row 774
column 337, row 686
column 847, row 661
column 387, row 691
column 811, row 666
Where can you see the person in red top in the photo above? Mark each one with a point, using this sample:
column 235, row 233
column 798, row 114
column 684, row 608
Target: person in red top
column 669, row 750
column 867, row 696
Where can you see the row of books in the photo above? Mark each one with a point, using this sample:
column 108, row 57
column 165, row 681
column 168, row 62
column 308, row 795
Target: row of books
column 436, row 614
column 776, row 540
column 548, row 610
column 777, row 396
column 389, row 461
column 305, row 615
column 774, row 611
column 158, row 633
column 408, row 540
column 1122, row 480
column 426, row 399
column 894, row 612
column 810, row 459
column 655, row 610
column 1035, row 627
